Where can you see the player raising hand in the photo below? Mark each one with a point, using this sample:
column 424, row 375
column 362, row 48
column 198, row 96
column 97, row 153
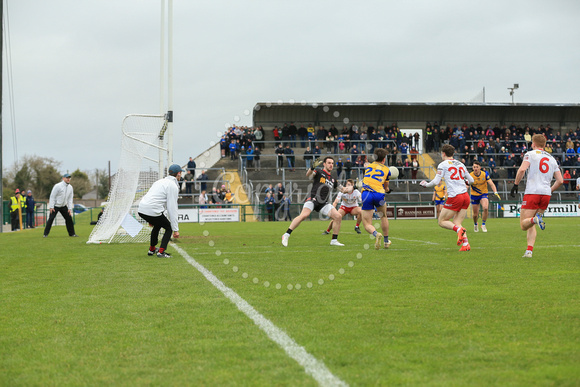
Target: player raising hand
column 454, row 173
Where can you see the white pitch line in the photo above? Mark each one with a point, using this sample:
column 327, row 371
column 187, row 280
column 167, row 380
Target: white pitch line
column 412, row 240
column 311, row 365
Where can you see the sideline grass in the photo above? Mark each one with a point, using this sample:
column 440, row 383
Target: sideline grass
column 420, row 313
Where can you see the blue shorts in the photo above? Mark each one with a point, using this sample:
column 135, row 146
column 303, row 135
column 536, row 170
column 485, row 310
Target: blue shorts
column 477, row 199
column 438, row 202
column 372, row 200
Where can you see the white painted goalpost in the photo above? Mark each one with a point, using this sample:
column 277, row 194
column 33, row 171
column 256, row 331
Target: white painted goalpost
column 146, row 151
column 142, row 162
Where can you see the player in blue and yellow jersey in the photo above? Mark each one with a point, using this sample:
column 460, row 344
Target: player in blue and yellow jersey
column 375, row 184
column 479, row 193
column 439, row 194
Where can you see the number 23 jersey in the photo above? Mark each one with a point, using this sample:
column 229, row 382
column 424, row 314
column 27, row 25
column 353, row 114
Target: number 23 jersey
column 453, row 172
column 540, row 173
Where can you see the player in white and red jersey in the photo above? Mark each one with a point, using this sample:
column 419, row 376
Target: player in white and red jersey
column 349, row 204
column 454, row 173
column 541, row 167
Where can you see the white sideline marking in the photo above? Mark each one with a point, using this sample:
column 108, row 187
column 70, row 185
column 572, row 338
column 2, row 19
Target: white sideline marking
column 412, row 240
column 311, row 365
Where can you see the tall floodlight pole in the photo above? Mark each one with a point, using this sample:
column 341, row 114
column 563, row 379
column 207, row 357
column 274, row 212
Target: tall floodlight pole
column 512, row 89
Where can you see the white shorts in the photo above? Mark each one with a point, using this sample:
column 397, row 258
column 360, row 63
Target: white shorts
column 325, row 210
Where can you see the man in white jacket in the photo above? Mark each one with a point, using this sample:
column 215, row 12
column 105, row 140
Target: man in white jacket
column 159, row 208
column 61, row 200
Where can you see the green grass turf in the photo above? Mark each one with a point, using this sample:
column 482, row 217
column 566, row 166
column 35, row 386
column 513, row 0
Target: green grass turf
column 420, row 313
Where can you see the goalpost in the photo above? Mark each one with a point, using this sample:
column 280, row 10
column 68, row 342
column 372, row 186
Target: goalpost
column 145, row 153
column 143, row 159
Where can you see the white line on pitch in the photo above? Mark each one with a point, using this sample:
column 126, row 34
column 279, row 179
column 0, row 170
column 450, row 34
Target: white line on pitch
column 412, row 240
column 311, row 365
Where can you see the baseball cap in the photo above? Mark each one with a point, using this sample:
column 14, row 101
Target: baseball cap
column 66, row 175
column 174, row 168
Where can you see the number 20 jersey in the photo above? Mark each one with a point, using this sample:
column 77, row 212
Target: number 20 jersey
column 453, row 172
column 540, row 173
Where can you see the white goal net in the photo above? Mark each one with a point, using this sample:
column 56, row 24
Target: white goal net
column 142, row 162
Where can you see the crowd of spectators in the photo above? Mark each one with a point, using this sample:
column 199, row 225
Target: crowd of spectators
column 495, row 147
column 239, row 140
column 277, row 203
column 503, row 148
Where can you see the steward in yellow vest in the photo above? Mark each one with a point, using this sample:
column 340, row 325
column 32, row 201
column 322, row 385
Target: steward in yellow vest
column 17, row 206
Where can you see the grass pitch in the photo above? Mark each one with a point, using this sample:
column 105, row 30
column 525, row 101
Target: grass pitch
column 420, row 313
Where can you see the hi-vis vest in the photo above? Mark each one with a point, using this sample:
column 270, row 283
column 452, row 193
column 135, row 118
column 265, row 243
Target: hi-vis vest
column 14, row 206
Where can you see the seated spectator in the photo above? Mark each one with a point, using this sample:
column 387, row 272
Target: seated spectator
column 215, row 196
column 228, row 197
column 203, row 199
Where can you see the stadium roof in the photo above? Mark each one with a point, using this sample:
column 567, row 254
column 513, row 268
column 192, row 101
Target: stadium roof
column 410, row 114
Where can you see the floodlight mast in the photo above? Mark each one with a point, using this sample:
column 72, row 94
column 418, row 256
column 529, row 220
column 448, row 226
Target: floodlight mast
column 512, row 89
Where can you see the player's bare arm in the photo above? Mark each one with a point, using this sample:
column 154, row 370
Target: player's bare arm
column 559, row 180
column 521, row 171
column 493, row 187
column 386, row 186
column 519, row 176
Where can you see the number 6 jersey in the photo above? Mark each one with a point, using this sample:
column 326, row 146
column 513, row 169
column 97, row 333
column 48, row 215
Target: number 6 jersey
column 541, row 171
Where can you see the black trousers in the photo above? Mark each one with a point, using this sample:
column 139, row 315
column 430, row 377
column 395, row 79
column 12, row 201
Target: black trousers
column 70, row 227
column 15, row 220
column 158, row 223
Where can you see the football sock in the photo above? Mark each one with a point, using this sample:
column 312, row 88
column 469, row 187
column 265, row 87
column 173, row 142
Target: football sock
column 375, row 233
column 288, row 231
column 532, row 220
column 328, row 229
column 483, row 223
column 530, row 248
column 475, row 223
column 386, row 238
column 161, row 250
column 465, row 242
column 334, row 236
column 151, row 248
column 456, row 228
column 357, row 224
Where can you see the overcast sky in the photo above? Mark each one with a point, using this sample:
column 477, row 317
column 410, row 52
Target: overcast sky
column 80, row 66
